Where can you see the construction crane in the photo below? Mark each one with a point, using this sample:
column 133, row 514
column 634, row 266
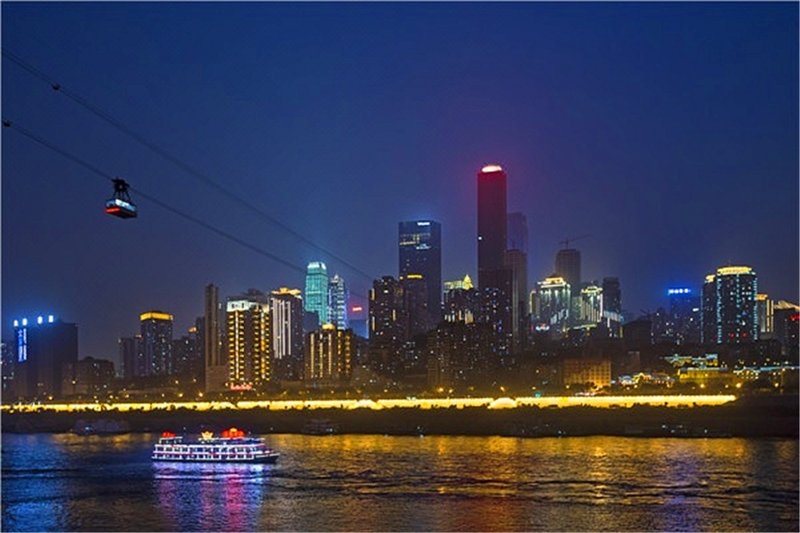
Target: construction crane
column 568, row 240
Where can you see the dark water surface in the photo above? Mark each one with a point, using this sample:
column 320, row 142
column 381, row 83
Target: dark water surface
column 365, row 482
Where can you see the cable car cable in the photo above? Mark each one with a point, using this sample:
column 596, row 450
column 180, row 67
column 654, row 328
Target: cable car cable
column 173, row 159
column 97, row 171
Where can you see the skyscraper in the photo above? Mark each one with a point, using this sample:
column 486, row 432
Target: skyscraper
column 156, row 331
column 708, row 314
column 316, row 294
column 517, row 232
column 734, row 305
column 517, row 262
column 248, row 342
column 553, row 303
column 286, row 307
column 591, row 304
column 568, row 266
column 492, row 222
column 420, row 252
column 683, row 320
column 415, row 305
column 328, row 354
column 612, row 306
column 338, row 298
column 495, row 278
column 44, row 346
column 216, row 367
column 387, row 322
column 130, row 353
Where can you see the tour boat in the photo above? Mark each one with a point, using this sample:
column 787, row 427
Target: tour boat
column 231, row 446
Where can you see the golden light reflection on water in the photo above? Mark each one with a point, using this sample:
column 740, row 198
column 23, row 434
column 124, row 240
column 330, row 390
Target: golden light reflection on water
column 376, row 482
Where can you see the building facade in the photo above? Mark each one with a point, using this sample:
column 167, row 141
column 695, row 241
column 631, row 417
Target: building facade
column 156, row 332
column 731, row 301
column 216, row 362
column 43, row 347
column 328, row 355
column 286, row 309
column 248, row 342
column 316, row 293
column 338, row 297
column 420, row 253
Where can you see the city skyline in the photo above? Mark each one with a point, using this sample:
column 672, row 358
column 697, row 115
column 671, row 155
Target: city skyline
column 547, row 189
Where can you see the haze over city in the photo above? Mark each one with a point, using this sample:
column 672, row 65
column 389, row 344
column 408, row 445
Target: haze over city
column 667, row 133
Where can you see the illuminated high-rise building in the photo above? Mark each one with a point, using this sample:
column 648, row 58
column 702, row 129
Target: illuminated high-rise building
column 708, row 313
column 329, row 354
column 492, row 221
column 495, row 278
column 553, row 303
column 316, row 293
column 766, row 316
column 517, row 262
column 43, row 346
column 591, row 304
column 734, row 305
column 612, row 306
column 286, row 309
column 420, row 253
column 387, row 322
column 216, row 363
column 156, row 332
column 248, row 342
column 683, row 320
column 130, row 353
column 415, row 305
column 338, row 298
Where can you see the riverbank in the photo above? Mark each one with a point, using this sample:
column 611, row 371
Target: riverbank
column 772, row 416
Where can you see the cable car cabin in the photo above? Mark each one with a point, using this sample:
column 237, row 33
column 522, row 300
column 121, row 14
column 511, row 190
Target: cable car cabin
column 120, row 205
column 120, row 208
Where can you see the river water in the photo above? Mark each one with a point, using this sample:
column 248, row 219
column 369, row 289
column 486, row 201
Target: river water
column 367, row 482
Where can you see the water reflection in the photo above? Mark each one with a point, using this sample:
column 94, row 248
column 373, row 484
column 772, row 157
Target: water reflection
column 203, row 496
column 374, row 482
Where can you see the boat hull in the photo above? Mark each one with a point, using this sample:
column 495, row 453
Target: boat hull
column 268, row 459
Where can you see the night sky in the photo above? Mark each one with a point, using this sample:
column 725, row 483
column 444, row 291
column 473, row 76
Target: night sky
column 669, row 132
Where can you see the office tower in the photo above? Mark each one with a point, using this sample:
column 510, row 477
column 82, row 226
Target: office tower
column 132, row 357
column 286, row 307
column 415, row 305
column 495, row 279
column 187, row 354
column 568, row 266
column 786, row 318
column 156, row 331
column 328, row 354
column 420, row 252
column 734, row 305
column 708, row 313
column 216, row 363
column 553, row 303
column 517, row 232
column 591, row 309
column 248, row 342
column 766, row 316
column 517, row 261
column 316, row 295
column 387, row 323
column 612, row 295
column 683, row 318
column 612, row 306
column 492, row 220
column 44, row 346
column 338, row 298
